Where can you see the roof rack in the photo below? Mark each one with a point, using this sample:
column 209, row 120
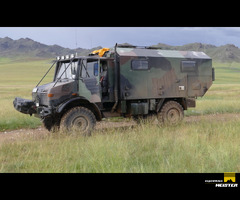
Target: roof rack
column 137, row 47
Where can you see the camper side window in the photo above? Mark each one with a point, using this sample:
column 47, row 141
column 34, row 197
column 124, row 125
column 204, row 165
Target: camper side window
column 139, row 65
column 188, row 66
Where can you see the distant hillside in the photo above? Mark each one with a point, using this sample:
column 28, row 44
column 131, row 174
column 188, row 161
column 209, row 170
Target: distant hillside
column 26, row 47
column 225, row 53
column 29, row 48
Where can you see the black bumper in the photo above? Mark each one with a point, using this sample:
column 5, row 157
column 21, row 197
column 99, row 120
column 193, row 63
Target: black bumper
column 24, row 106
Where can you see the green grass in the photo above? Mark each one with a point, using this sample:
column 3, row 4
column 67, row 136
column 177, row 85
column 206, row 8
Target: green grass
column 221, row 98
column 17, row 79
column 227, row 73
column 202, row 146
column 224, row 94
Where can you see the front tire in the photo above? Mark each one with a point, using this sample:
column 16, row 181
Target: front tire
column 50, row 123
column 78, row 120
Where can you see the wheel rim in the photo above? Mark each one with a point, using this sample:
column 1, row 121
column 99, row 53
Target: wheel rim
column 173, row 116
column 80, row 123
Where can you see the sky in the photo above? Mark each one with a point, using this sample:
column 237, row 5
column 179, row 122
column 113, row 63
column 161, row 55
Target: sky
column 89, row 37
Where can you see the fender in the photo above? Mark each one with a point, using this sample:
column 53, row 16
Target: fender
column 78, row 101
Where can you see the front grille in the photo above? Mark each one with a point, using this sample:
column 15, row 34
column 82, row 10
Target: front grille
column 41, row 98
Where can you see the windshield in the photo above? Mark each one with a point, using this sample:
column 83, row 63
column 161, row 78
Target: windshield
column 67, row 70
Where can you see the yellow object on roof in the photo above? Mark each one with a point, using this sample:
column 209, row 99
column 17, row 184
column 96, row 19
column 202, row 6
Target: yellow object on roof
column 101, row 52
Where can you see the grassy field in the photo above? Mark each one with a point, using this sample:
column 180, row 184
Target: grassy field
column 196, row 146
column 190, row 147
column 223, row 96
column 17, row 79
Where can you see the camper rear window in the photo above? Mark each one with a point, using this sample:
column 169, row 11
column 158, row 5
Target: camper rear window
column 188, row 66
column 139, row 65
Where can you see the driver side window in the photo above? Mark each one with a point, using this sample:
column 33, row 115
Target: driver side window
column 89, row 68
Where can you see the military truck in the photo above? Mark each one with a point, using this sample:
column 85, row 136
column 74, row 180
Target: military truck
column 126, row 81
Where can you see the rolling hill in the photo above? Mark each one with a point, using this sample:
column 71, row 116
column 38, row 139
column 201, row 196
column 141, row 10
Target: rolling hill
column 26, row 47
column 226, row 53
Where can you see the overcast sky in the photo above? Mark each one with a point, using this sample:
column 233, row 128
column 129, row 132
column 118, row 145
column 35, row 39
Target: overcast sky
column 88, row 37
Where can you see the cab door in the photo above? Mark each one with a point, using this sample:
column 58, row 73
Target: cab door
column 89, row 86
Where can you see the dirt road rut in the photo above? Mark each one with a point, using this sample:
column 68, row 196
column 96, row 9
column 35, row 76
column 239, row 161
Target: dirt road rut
column 41, row 131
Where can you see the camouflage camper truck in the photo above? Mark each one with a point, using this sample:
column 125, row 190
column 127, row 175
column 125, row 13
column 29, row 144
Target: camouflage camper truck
column 125, row 81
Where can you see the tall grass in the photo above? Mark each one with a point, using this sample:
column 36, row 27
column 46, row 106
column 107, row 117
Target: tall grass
column 190, row 147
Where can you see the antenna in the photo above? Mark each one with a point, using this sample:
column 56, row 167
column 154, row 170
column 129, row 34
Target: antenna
column 76, row 38
column 91, row 41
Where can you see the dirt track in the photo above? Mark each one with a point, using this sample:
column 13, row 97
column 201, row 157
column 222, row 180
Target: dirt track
column 41, row 131
column 13, row 135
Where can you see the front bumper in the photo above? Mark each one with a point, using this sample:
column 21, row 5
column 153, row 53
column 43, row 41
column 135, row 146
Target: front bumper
column 25, row 106
column 29, row 107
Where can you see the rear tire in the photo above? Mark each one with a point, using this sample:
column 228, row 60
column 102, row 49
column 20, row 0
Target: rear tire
column 78, row 120
column 172, row 113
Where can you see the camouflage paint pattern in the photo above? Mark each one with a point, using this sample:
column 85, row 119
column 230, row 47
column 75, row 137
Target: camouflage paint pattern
column 165, row 76
column 158, row 74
